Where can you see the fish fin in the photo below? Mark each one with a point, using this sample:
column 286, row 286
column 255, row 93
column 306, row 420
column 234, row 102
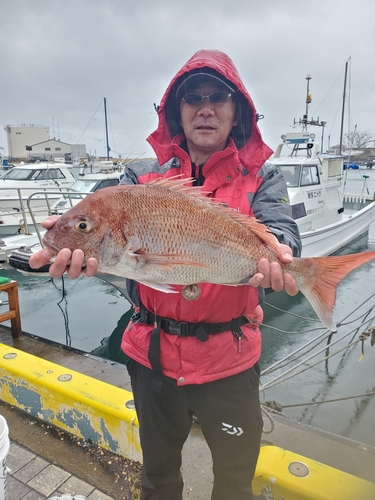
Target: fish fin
column 164, row 261
column 161, row 287
column 328, row 272
column 179, row 183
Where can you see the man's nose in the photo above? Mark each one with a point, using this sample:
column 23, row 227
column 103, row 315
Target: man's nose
column 206, row 107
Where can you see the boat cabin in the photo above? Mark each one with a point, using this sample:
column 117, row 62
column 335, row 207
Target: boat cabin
column 314, row 180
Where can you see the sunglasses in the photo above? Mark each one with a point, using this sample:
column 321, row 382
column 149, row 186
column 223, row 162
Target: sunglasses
column 215, row 98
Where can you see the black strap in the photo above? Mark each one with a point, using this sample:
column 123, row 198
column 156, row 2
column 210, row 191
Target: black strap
column 183, row 329
column 154, row 358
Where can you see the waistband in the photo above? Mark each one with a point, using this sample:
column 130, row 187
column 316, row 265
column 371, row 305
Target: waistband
column 200, row 330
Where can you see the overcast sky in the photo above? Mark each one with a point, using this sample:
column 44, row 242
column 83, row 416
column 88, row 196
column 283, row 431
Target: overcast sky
column 60, row 58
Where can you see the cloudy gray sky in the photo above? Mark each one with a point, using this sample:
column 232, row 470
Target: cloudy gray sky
column 60, row 58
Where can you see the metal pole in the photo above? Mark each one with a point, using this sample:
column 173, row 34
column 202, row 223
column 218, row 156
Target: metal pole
column 343, row 108
column 106, row 127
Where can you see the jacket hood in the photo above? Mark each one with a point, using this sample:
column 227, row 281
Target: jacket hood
column 253, row 152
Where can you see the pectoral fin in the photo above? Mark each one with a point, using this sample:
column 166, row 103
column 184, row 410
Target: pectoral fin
column 163, row 261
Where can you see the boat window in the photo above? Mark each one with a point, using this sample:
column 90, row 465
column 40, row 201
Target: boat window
column 47, row 173
column 18, row 174
column 291, row 174
column 107, row 183
column 310, row 175
column 82, row 186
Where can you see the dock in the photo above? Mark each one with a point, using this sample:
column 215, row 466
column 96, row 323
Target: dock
column 100, row 474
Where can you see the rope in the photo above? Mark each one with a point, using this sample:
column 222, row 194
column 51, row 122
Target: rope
column 270, row 419
column 277, row 406
column 277, row 379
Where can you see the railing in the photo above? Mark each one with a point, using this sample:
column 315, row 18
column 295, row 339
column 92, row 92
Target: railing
column 25, row 209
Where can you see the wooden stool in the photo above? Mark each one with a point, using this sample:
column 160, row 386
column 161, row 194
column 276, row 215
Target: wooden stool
column 14, row 308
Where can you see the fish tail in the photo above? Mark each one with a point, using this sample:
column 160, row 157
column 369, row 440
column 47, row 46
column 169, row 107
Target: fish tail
column 320, row 285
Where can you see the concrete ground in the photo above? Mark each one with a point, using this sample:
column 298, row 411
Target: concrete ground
column 50, row 455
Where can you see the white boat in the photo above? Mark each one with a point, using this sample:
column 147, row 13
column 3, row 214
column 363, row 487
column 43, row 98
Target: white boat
column 328, row 218
column 86, row 184
column 22, row 221
column 30, row 241
column 18, row 183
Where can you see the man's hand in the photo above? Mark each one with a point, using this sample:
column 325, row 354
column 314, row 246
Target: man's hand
column 270, row 275
column 65, row 260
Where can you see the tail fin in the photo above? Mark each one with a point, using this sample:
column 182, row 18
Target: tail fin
column 327, row 273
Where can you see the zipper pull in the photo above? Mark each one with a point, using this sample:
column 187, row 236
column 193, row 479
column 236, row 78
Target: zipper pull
column 237, row 332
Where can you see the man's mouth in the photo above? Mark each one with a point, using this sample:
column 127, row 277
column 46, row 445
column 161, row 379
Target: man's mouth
column 204, row 127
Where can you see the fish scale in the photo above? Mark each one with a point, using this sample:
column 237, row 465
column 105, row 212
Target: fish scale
column 167, row 233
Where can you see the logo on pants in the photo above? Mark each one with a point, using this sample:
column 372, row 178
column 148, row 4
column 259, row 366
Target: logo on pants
column 231, row 429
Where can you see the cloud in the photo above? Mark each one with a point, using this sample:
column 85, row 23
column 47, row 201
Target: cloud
column 60, row 59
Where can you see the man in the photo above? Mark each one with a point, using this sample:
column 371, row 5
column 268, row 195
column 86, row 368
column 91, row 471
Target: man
column 200, row 357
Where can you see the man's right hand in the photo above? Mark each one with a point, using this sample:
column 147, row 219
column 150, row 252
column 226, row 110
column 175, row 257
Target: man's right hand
column 65, row 261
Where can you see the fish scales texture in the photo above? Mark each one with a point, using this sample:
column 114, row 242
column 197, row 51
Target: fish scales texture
column 185, row 227
column 130, row 225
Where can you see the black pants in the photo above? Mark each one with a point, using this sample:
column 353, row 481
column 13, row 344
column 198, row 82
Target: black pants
column 229, row 414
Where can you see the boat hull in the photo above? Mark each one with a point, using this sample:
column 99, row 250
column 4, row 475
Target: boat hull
column 330, row 239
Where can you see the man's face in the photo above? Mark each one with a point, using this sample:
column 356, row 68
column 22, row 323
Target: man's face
column 207, row 126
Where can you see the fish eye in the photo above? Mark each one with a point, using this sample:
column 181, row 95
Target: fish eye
column 83, row 226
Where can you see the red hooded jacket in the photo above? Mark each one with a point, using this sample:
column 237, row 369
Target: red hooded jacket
column 238, row 177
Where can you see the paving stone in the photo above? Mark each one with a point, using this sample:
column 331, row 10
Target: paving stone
column 75, row 486
column 49, row 480
column 31, row 469
column 16, row 489
column 18, row 457
column 98, row 495
column 33, row 495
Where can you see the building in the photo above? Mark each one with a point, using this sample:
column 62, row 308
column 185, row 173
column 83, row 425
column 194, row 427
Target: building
column 33, row 141
column 20, row 136
column 49, row 150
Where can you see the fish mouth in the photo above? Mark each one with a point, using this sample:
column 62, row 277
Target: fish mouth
column 55, row 250
column 50, row 246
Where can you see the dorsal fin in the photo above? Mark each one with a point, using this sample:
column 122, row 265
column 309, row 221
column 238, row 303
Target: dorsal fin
column 177, row 183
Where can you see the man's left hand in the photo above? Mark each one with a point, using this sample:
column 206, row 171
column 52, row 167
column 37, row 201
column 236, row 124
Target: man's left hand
column 270, row 274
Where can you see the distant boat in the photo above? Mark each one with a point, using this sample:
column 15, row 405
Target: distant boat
column 83, row 186
column 328, row 218
column 23, row 181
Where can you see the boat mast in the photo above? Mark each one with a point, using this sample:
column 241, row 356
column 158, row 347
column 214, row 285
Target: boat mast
column 304, row 121
column 343, row 108
column 106, row 128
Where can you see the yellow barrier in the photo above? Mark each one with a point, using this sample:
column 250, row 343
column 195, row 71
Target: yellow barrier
column 281, row 474
column 85, row 407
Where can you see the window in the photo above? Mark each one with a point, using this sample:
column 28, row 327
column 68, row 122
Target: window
column 57, row 149
column 310, row 176
column 47, row 149
column 291, row 174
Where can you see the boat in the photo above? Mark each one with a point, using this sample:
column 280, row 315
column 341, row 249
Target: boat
column 22, row 221
column 86, row 184
column 24, row 243
column 24, row 180
column 26, row 186
column 328, row 218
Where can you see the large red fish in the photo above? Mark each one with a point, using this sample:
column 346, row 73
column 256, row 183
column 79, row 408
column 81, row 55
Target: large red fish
column 165, row 233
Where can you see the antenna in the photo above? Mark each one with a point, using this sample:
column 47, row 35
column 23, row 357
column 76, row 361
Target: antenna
column 304, row 122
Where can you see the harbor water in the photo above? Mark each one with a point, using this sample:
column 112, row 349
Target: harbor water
column 84, row 313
